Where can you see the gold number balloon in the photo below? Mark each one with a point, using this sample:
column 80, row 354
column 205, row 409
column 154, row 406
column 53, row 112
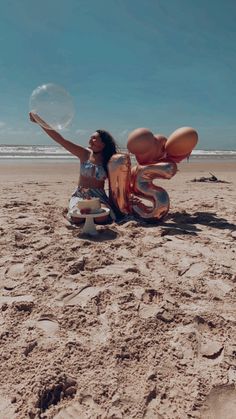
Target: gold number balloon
column 119, row 173
column 126, row 185
column 142, row 186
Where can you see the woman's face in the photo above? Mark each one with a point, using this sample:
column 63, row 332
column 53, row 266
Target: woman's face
column 95, row 143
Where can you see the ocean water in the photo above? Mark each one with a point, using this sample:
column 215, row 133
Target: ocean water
column 58, row 153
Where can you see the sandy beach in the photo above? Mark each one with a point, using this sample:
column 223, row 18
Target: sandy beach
column 138, row 322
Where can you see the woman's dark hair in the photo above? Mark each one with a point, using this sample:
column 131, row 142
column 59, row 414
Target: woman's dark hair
column 110, row 146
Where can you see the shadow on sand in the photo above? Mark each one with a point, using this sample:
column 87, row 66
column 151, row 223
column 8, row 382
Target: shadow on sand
column 203, row 218
column 186, row 223
column 104, row 234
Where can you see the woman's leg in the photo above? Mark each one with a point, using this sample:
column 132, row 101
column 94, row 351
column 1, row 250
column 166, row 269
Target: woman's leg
column 72, row 205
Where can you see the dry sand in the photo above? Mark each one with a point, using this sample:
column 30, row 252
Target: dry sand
column 137, row 323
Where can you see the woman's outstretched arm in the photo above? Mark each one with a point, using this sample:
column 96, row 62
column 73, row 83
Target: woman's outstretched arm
column 77, row 150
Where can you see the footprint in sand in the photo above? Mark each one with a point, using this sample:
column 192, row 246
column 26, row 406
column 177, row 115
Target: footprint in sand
column 9, row 284
column 6, row 408
column 194, row 270
column 48, row 324
column 218, row 287
column 82, row 296
column 220, row 403
column 101, row 333
column 19, row 299
column 86, row 409
column 15, row 271
column 118, row 269
column 148, row 306
column 211, row 350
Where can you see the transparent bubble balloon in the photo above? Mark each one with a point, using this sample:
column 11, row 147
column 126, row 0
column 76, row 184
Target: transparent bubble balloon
column 52, row 106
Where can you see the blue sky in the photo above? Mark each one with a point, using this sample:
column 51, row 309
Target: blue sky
column 126, row 63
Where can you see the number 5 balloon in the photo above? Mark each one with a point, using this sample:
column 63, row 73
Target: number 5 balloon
column 142, row 186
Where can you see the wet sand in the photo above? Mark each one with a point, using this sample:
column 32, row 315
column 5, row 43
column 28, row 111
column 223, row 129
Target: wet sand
column 136, row 323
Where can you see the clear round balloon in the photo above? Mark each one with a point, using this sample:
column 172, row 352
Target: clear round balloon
column 52, row 106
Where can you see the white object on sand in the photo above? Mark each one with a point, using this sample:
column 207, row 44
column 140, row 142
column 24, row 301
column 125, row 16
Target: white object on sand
column 89, row 226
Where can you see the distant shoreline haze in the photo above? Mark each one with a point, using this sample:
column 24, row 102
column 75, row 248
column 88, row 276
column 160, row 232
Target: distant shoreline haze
column 57, row 153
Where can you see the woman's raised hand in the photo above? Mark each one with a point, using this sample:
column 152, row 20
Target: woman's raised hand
column 36, row 118
column 32, row 117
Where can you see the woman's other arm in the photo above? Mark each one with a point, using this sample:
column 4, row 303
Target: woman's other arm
column 77, row 150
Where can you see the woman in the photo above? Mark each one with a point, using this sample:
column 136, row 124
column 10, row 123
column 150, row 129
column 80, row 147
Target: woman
column 93, row 166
